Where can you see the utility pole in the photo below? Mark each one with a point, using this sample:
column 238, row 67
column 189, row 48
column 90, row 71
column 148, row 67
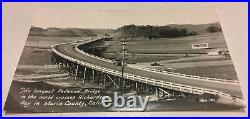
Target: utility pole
column 124, row 43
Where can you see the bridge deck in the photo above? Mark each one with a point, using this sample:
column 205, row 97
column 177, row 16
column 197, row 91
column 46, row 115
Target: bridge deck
column 69, row 50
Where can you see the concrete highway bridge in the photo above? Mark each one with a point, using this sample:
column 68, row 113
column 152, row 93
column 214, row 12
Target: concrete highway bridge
column 101, row 71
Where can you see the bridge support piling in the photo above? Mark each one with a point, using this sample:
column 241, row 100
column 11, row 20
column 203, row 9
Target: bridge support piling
column 129, row 84
column 138, row 90
column 101, row 78
column 68, row 66
column 72, row 69
column 65, row 67
column 62, row 64
column 142, row 88
column 93, row 76
column 98, row 78
column 76, row 71
column 124, row 84
column 114, row 81
column 84, row 74
column 104, row 80
column 157, row 92
column 136, row 87
column 120, row 83
column 59, row 65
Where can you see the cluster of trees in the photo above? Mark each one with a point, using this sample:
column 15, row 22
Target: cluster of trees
column 154, row 31
column 213, row 29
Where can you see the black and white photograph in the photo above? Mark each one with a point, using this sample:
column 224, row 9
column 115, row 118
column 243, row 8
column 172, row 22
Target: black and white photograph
column 107, row 60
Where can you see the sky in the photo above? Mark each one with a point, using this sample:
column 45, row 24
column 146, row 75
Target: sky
column 116, row 18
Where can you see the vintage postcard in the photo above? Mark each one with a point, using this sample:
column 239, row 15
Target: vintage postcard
column 125, row 61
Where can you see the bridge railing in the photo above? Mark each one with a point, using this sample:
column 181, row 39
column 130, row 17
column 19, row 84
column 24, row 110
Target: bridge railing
column 91, row 55
column 163, row 84
column 94, row 56
column 186, row 75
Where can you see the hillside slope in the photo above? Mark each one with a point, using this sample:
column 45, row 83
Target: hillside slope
column 67, row 32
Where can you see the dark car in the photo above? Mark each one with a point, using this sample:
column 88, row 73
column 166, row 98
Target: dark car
column 156, row 64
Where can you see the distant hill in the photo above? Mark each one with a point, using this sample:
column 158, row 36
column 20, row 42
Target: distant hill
column 167, row 31
column 67, row 32
column 79, row 32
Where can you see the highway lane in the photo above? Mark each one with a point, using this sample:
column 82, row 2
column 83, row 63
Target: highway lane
column 69, row 50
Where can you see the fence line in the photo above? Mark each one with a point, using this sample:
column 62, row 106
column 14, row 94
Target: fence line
column 93, row 56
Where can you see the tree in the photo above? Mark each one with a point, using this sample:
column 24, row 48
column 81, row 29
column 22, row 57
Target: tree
column 212, row 29
column 151, row 32
column 192, row 33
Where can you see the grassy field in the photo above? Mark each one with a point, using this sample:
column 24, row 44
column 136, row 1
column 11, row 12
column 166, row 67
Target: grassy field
column 224, row 71
column 47, row 42
column 35, row 56
column 199, row 64
column 214, row 69
column 37, row 53
column 170, row 45
column 200, row 58
column 37, row 50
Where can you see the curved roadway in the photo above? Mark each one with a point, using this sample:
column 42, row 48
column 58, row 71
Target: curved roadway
column 69, row 50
